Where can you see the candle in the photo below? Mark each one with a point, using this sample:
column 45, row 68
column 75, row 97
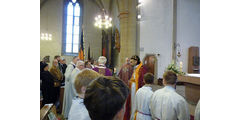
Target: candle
column 181, row 66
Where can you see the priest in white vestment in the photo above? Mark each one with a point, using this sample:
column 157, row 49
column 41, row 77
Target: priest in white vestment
column 78, row 110
column 67, row 74
column 72, row 92
column 142, row 99
column 166, row 104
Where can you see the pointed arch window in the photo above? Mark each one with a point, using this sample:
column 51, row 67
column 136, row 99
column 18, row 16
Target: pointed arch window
column 71, row 27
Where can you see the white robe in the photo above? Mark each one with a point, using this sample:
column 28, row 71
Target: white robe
column 133, row 93
column 67, row 74
column 78, row 110
column 166, row 104
column 142, row 100
column 72, row 89
column 197, row 112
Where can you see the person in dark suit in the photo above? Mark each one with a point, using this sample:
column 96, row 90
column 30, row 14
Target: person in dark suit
column 44, row 61
column 48, row 91
column 63, row 66
column 58, row 58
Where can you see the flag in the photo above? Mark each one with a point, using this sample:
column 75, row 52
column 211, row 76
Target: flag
column 81, row 51
column 89, row 57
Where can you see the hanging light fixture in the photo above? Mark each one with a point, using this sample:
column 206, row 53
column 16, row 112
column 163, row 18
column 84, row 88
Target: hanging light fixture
column 103, row 21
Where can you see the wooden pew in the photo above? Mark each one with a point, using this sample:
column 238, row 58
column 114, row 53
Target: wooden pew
column 48, row 112
column 61, row 98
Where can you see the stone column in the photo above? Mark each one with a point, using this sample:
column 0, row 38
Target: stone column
column 127, row 18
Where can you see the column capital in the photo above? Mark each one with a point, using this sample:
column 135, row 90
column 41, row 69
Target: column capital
column 123, row 14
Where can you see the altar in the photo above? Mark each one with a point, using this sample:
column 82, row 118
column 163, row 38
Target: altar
column 192, row 87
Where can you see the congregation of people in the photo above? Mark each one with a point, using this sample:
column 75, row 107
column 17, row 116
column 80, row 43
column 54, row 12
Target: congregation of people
column 93, row 92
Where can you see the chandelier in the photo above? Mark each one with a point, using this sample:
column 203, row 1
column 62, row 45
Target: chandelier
column 103, row 21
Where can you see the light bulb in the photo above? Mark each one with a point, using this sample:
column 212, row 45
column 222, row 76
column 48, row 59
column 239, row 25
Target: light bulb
column 139, row 16
column 110, row 25
column 99, row 16
column 96, row 24
column 100, row 26
column 96, row 18
column 50, row 35
column 110, row 19
column 106, row 17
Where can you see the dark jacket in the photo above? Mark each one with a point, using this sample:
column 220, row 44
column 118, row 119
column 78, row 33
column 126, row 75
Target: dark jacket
column 49, row 95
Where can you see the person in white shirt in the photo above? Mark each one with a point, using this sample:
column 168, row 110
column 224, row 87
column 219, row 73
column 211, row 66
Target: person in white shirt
column 78, row 110
column 166, row 104
column 67, row 74
column 72, row 92
column 197, row 112
column 142, row 98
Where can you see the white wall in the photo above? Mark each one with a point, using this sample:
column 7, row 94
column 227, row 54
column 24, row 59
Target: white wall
column 156, row 31
column 156, row 28
column 51, row 21
column 92, row 35
column 188, row 27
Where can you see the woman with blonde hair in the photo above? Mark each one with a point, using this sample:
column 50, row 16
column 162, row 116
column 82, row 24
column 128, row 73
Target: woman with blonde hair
column 56, row 73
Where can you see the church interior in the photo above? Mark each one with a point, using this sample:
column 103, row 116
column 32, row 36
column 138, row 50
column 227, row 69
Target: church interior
column 165, row 34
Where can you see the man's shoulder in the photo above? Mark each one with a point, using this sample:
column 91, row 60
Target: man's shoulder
column 158, row 91
column 143, row 68
column 144, row 90
column 140, row 90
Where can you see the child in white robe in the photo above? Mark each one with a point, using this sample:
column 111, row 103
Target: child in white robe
column 78, row 110
column 166, row 104
column 142, row 98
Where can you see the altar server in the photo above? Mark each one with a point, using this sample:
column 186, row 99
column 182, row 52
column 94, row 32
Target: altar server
column 166, row 104
column 142, row 98
column 78, row 110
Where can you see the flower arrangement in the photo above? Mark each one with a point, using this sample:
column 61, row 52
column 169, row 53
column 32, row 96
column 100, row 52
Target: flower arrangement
column 173, row 67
